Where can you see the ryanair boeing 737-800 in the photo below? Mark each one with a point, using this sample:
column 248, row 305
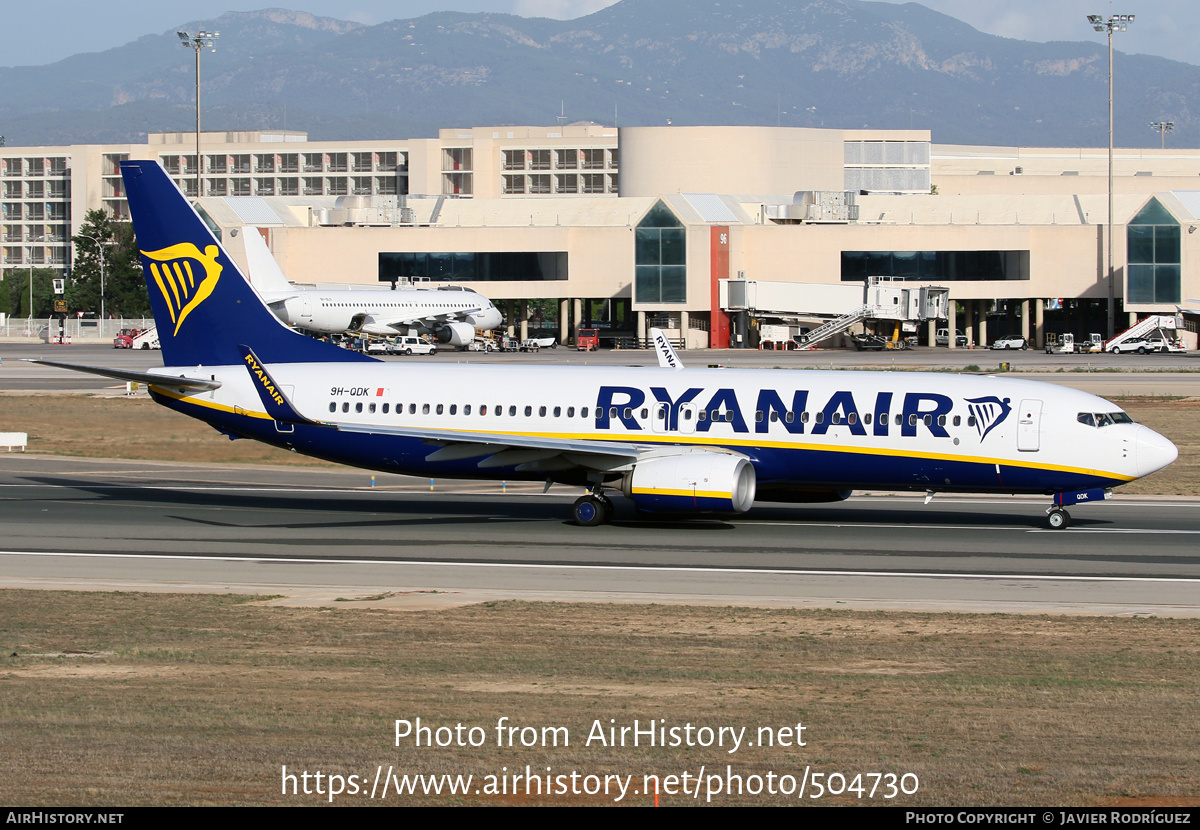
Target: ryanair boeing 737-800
column 670, row 439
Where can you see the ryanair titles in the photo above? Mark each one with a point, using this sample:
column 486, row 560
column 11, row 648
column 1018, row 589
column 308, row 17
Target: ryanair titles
column 915, row 411
column 269, row 385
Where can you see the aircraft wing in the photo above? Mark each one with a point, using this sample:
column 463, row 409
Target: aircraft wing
column 399, row 324
column 503, row 450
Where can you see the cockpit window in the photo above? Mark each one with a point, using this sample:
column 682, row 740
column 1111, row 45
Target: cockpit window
column 1103, row 419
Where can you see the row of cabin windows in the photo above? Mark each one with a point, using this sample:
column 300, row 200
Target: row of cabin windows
column 388, row 305
column 627, row 412
column 441, row 409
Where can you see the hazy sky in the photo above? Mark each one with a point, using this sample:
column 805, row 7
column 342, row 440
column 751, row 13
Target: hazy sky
column 54, row 29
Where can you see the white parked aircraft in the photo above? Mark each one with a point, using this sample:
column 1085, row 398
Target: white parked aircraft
column 449, row 312
column 682, row 441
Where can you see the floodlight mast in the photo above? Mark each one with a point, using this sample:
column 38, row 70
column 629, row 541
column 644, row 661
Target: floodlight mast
column 1115, row 22
column 198, row 41
column 1162, row 128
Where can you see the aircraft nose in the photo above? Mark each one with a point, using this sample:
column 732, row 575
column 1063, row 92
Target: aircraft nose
column 1153, row 452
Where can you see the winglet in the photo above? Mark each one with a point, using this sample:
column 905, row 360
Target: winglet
column 667, row 358
column 274, row 400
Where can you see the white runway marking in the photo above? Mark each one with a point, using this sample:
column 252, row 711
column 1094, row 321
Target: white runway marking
column 611, row 568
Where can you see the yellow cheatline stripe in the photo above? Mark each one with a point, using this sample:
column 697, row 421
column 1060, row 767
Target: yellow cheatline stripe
column 220, row 407
column 700, row 494
column 729, row 442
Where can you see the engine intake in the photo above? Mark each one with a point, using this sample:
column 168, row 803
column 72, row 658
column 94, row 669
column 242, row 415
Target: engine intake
column 694, row 482
column 455, row 334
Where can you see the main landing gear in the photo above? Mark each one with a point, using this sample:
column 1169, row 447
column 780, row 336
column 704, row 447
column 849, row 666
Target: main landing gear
column 593, row 509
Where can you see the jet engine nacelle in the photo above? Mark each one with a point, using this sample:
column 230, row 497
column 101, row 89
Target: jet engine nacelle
column 703, row 481
column 456, row 334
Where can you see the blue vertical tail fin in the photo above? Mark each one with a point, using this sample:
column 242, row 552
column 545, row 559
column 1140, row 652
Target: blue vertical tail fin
column 203, row 306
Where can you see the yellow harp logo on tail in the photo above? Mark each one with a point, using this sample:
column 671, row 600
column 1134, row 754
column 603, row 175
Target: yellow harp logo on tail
column 177, row 276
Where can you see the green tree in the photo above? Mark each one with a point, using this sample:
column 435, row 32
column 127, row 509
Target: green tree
column 16, row 291
column 124, row 289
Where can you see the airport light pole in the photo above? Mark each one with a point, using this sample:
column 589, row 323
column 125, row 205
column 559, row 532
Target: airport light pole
column 198, row 41
column 1115, row 22
column 1162, row 128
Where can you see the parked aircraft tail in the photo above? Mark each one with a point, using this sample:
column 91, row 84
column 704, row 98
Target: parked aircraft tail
column 203, row 306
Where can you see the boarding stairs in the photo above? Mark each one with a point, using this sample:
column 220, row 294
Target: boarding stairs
column 835, row 326
column 1144, row 328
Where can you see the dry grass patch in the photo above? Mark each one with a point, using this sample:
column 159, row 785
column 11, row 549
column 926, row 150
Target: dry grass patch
column 129, row 427
column 201, row 699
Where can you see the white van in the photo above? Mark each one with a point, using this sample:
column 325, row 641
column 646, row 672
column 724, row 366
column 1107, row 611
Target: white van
column 412, row 345
column 942, row 338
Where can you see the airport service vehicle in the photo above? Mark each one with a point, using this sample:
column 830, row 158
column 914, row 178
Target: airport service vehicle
column 1093, row 345
column 1156, row 333
column 148, row 339
column 1060, row 343
column 124, row 338
column 671, row 439
column 1012, row 341
column 412, row 345
column 587, row 340
column 480, row 344
column 942, row 338
column 1143, row 345
column 449, row 312
column 532, row 344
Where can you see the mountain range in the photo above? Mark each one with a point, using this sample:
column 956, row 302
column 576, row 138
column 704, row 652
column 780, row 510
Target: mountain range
column 831, row 63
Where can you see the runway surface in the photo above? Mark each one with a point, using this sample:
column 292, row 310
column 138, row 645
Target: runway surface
column 318, row 535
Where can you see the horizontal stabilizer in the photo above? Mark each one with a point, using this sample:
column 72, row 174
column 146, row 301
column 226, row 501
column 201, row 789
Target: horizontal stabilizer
column 173, row 382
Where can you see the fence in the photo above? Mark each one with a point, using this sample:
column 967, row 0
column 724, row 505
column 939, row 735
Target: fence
column 75, row 328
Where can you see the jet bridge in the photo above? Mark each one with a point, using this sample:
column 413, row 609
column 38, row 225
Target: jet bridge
column 840, row 305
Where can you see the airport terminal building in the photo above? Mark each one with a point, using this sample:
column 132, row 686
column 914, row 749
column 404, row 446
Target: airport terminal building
column 642, row 226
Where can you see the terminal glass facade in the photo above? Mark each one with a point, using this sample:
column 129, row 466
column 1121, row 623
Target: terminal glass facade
column 660, row 257
column 474, row 266
column 1152, row 240
column 936, row 266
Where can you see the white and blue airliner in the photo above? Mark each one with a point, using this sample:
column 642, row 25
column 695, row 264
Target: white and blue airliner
column 672, row 440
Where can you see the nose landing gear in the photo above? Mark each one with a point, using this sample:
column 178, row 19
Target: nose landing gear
column 1058, row 518
column 1056, row 515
